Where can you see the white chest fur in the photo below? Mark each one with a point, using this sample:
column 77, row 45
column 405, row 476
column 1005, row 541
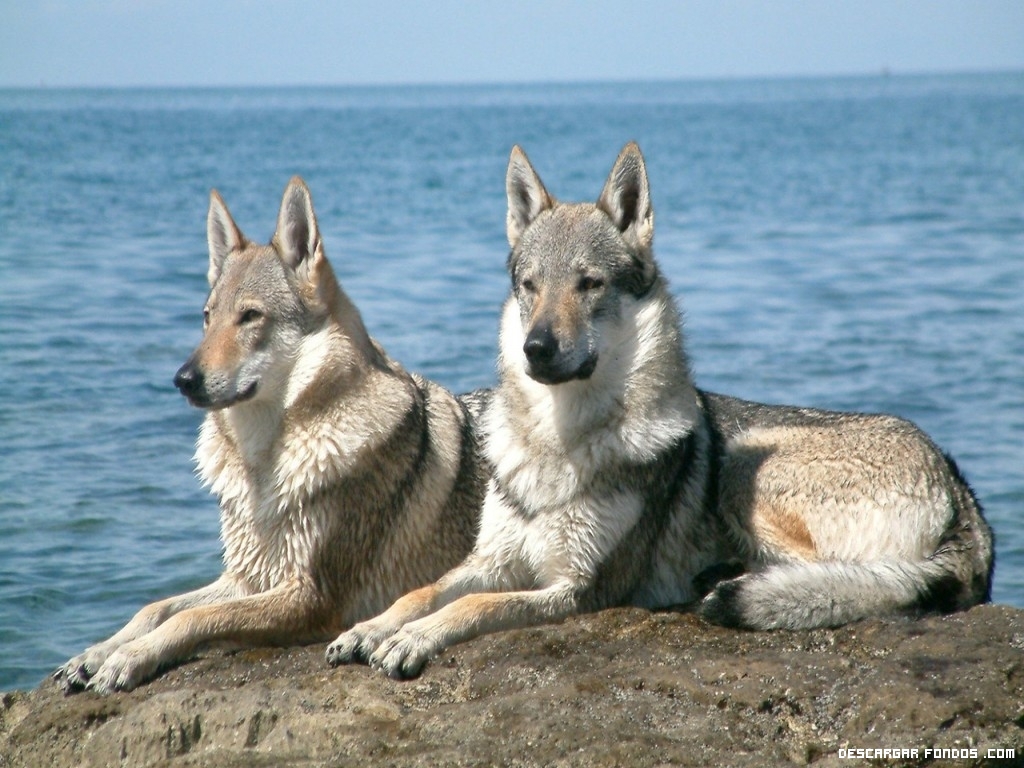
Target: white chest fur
column 270, row 529
column 560, row 544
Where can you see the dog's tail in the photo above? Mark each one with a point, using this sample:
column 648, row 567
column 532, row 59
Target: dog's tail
column 828, row 594
column 808, row 595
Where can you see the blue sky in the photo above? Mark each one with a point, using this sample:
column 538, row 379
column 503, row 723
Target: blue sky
column 296, row 42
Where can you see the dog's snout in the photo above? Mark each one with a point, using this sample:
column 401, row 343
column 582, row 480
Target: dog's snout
column 188, row 379
column 541, row 345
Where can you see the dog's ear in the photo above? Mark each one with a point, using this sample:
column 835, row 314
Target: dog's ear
column 222, row 235
column 527, row 198
column 297, row 237
column 298, row 242
column 626, row 197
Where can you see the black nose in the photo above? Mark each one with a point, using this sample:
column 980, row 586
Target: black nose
column 541, row 345
column 188, row 379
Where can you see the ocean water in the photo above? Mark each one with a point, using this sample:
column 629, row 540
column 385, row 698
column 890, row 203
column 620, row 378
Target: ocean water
column 842, row 243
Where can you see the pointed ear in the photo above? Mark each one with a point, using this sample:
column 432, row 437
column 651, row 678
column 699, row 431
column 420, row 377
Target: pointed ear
column 297, row 237
column 222, row 235
column 527, row 198
column 626, row 197
column 298, row 242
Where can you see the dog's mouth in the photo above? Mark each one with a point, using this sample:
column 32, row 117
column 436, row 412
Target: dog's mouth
column 194, row 386
column 246, row 393
column 549, row 374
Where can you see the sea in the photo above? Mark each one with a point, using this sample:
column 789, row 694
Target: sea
column 852, row 243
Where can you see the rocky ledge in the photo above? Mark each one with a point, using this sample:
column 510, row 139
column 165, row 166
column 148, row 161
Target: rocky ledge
column 622, row 687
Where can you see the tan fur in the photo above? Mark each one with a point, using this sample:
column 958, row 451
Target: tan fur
column 782, row 529
column 343, row 480
column 784, row 496
column 617, row 481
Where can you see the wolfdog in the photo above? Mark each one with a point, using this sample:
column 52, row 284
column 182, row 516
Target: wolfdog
column 616, row 481
column 344, row 481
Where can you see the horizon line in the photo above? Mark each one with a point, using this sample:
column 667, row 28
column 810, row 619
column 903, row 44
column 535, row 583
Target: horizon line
column 881, row 72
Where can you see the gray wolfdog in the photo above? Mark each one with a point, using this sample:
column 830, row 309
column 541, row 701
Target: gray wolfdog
column 616, row 481
column 344, row 481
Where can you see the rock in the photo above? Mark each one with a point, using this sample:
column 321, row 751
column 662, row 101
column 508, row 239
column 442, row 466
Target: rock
column 621, row 687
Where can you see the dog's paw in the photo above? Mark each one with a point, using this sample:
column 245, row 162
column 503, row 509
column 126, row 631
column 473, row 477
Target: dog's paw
column 346, row 649
column 124, row 670
column 357, row 644
column 75, row 675
column 403, row 655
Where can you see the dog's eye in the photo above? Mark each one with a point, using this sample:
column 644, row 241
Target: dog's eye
column 249, row 316
column 528, row 286
column 206, row 318
column 588, row 283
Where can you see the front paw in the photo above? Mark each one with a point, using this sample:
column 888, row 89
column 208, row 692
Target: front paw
column 124, row 670
column 403, row 655
column 77, row 672
column 358, row 643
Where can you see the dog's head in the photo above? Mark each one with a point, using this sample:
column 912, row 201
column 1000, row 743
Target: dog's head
column 572, row 265
column 264, row 299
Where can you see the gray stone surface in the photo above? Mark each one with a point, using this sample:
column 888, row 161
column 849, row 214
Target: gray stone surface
column 622, row 687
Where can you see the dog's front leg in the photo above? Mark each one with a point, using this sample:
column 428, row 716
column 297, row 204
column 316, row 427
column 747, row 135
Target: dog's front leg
column 404, row 653
column 286, row 615
column 359, row 643
column 76, row 673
